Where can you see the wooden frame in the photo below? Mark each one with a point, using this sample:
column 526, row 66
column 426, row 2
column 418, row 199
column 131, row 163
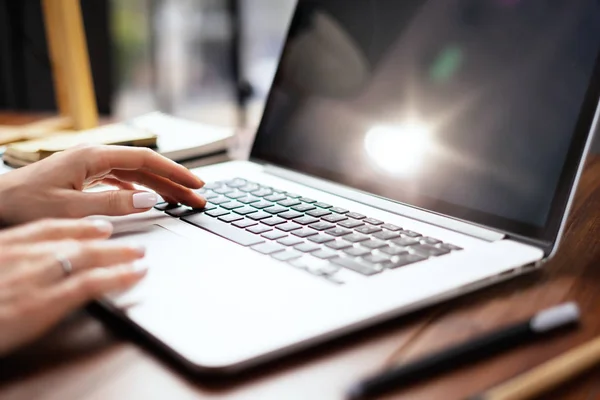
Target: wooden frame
column 71, row 72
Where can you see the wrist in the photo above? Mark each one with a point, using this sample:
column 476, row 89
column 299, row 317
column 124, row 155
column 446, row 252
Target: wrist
column 8, row 190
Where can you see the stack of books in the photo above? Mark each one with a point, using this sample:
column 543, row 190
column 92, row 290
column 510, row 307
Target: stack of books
column 190, row 143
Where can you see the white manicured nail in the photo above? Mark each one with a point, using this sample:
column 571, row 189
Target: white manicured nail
column 144, row 200
column 141, row 250
column 139, row 268
column 103, row 226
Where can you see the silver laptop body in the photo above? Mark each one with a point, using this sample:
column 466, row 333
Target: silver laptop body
column 402, row 160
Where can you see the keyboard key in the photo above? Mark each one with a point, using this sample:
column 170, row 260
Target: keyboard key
column 318, row 213
column 449, row 246
column 307, row 247
column 236, row 195
column 322, row 226
column 430, row 240
column 405, row 260
column 303, row 207
column 338, row 232
column 232, row 205
column 334, row 218
column 263, row 192
column 290, row 214
column 236, row 183
column 216, row 212
column 391, row 227
column 356, row 237
column 325, row 254
column 274, row 235
column 304, row 232
column 411, row 234
column 220, row 200
column 166, row 206
column 288, row 227
column 386, row 235
column 360, row 266
column 250, row 187
column 230, row 218
column 244, row 223
column 322, row 270
column 394, row 250
column 323, row 205
column 428, row 250
column 209, row 206
column 338, row 244
column 373, row 244
column 287, row 255
column 320, row 238
column 373, row 221
column 290, row 241
column 260, row 215
column 222, row 229
column 209, row 195
column 293, row 195
column 275, row 209
column 350, row 223
column 248, row 199
column 213, row 185
column 268, row 248
column 273, row 221
column 274, row 197
column 308, row 262
column 307, row 200
column 288, row 202
column 262, row 204
column 367, row 229
column 405, row 241
column 377, row 258
column 357, row 251
column 182, row 211
column 339, row 210
column 306, row 220
column 223, row 190
column 258, row 229
column 245, row 210
column 356, row 215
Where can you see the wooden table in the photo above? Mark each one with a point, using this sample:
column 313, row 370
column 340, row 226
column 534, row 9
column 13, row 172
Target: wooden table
column 84, row 359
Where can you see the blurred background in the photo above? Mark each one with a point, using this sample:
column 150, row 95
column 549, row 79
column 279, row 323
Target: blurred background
column 210, row 61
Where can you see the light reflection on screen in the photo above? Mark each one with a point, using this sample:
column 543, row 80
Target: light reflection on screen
column 466, row 103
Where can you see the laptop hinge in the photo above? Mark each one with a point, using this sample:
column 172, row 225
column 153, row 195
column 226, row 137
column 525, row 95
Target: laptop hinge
column 463, row 227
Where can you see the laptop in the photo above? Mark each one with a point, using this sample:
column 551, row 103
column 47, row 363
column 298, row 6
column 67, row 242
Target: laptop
column 410, row 152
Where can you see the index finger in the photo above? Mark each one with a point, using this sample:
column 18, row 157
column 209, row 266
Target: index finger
column 104, row 159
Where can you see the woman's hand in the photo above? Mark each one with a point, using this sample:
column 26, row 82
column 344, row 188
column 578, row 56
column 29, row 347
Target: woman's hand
column 37, row 291
column 53, row 187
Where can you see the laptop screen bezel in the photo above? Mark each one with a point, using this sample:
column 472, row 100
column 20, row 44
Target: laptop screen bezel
column 546, row 234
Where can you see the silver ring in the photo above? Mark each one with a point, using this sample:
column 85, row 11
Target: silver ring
column 65, row 264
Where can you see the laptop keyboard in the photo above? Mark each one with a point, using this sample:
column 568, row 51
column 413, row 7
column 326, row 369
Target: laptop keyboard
column 306, row 233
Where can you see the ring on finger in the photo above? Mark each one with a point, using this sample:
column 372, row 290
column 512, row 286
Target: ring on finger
column 65, row 264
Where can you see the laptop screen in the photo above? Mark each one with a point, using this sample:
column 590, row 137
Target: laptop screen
column 476, row 109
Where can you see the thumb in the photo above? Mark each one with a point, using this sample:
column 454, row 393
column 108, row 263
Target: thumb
column 117, row 202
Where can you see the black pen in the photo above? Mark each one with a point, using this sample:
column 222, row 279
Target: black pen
column 543, row 322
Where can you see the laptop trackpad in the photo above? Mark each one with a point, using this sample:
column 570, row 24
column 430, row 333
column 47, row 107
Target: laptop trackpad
column 152, row 237
column 202, row 267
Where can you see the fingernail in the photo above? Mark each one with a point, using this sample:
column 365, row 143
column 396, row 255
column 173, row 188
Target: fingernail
column 103, row 226
column 144, row 200
column 140, row 250
column 139, row 268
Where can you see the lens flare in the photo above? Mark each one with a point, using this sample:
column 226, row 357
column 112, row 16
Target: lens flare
column 398, row 149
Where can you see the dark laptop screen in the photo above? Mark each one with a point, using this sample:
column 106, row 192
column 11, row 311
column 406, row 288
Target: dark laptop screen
column 477, row 109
